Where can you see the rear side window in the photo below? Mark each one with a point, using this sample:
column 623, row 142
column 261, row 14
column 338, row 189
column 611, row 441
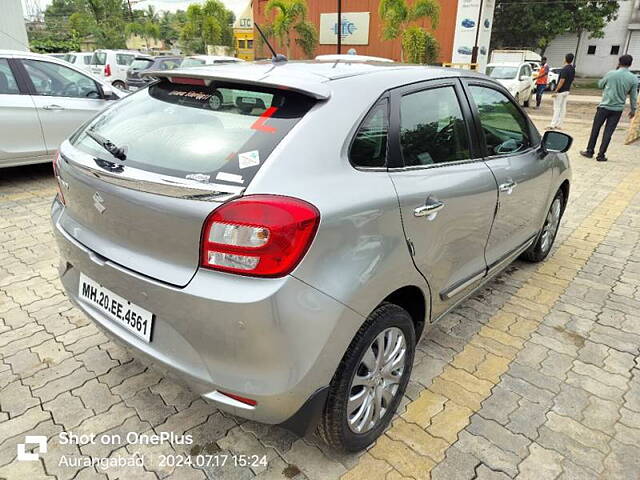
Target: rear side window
column 168, row 64
column 221, row 133
column 432, row 128
column 192, row 62
column 141, row 63
column 86, row 59
column 369, row 147
column 99, row 58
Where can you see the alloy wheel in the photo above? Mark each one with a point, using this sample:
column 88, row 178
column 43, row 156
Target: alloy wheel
column 376, row 380
column 551, row 225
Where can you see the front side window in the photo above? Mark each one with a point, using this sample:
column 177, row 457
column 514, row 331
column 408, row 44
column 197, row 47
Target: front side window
column 8, row 85
column 216, row 133
column 55, row 80
column 505, row 129
column 369, row 147
column 99, row 58
column 123, row 59
column 432, row 128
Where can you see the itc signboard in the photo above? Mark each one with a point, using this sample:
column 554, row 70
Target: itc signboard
column 354, row 31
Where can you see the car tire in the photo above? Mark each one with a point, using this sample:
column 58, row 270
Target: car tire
column 552, row 86
column 526, row 102
column 518, row 98
column 119, row 84
column 547, row 235
column 341, row 428
column 216, row 101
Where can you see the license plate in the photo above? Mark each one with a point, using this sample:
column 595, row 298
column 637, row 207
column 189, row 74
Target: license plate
column 128, row 315
column 132, row 88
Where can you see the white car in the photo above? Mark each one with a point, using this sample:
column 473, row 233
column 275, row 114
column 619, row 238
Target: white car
column 199, row 60
column 112, row 65
column 43, row 100
column 515, row 77
column 80, row 59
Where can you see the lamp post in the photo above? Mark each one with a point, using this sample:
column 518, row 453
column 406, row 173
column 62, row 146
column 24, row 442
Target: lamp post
column 339, row 27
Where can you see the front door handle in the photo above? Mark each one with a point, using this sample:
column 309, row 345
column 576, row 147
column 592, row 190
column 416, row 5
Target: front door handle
column 53, row 107
column 508, row 187
column 429, row 209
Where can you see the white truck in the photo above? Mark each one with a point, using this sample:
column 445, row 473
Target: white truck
column 516, row 56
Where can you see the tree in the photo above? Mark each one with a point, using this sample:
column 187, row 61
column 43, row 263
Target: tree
column 398, row 15
column 419, row 45
column 536, row 24
column 208, row 24
column 290, row 16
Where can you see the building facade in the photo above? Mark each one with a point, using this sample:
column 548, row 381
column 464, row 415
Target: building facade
column 361, row 29
column 596, row 56
column 243, row 34
column 13, row 33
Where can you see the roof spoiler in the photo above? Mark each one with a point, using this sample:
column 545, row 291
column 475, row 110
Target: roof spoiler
column 293, row 83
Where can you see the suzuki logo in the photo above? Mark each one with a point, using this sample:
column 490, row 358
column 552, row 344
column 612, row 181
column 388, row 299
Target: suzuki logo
column 98, row 202
column 24, row 456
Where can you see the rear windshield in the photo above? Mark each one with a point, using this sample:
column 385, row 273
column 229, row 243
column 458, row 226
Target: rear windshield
column 141, row 63
column 218, row 134
column 99, row 58
column 192, row 62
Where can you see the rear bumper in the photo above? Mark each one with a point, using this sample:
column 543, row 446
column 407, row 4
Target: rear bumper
column 136, row 82
column 277, row 341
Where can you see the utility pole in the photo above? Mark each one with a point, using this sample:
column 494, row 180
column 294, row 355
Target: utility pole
column 339, row 27
column 476, row 47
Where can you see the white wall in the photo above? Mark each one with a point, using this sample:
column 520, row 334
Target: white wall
column 13, row 33
column 596, row 65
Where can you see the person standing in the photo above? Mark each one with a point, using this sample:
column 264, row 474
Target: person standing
column 561, row 94
column 541, row 81
column 617, row 84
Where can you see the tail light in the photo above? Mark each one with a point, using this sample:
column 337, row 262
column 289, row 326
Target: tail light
column 107, row 70
column 56, row 174
column 245, row 400
column 259, row 235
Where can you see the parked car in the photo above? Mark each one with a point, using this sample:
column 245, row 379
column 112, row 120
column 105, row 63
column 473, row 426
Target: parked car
column 42, row 101
column 199, row 60
column 284, row 261
column 136, row 80
column 468, row 23
column 79, row 59
column 516, row 77
column 112, row 65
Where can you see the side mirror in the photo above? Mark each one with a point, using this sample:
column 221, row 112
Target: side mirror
column 107, row 92
column 556, row 142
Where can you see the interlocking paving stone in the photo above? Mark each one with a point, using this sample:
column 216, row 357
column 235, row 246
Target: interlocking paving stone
column 544, row 353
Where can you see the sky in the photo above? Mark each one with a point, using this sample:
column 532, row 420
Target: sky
column 172, row 5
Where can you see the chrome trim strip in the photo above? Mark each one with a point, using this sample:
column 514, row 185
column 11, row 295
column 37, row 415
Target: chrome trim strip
column 144, row 181
column 447, row 294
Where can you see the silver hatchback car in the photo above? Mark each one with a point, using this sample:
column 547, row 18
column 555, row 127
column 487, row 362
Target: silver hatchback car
column 283, row 255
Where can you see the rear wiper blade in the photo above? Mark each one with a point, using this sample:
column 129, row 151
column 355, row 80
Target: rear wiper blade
column 108, row 145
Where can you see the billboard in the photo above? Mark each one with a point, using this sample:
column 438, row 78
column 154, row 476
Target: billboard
column 354, row 31
column 468, row 21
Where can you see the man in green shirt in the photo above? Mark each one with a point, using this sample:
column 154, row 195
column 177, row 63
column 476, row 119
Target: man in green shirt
column 617, row 84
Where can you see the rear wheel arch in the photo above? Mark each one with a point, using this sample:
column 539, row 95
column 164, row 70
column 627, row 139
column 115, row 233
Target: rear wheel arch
column 412, row 299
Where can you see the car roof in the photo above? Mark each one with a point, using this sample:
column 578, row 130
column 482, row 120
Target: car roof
column 213, row 57
column 313, row 78
column 351, row 58
column 506, row 64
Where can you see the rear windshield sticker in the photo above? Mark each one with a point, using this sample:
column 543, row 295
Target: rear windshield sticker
column 249, row 159
column 198, row 177
column 259, row 124
column 229, row 177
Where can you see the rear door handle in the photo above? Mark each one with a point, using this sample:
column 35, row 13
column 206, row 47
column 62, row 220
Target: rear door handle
column 429, row 210
column 53, row 107
column 508, row 187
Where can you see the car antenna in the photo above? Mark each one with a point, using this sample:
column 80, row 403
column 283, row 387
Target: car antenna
column 277, row 57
